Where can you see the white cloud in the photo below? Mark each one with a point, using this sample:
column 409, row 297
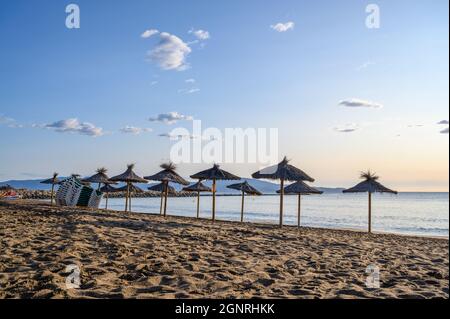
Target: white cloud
column 171, row 118
column 134, row 130
column 200, row 34
column 190, row 81
column 283, row 27
column 443, row 122
column 189, row 91
column 74, row 126
column 170, row 53
column 348, row 128
column 153, row 83
column 444, row 131
column 149, row 33
column 15, row 125
column 9, row 122
column 360, row 103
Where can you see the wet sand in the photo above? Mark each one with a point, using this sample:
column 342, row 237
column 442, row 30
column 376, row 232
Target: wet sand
column 128, row 255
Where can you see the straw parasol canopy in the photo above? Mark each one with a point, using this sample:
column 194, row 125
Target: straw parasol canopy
column 109, row 189
column 168, row 174
column 128, row 177
column 300, row 188
column 131, row 189
column 161, row 187
column 100, row 178
column 52, row 181
column 214, row 174
column 369, row 185
column 198, row 188
column 244, row 188
column 284, row 172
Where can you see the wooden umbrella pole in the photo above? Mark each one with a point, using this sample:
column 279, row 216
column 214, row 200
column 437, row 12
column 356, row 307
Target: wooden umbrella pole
column 51, row 195
column 299, row 209
column 214, row 201
column 126, row 196
column 162, row 201
column 198, row 204
column 129, row 197
column 165, row 198
column 281, row 202
column 129, row 201
column 370, row 212
column 242, row 207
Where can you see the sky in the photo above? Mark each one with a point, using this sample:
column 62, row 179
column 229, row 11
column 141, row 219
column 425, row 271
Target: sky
column 344, row 97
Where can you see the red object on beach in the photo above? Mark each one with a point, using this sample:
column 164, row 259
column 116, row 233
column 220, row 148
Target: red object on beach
column 9, row 195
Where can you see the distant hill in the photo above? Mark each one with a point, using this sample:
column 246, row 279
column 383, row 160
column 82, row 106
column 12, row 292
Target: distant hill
column 263, row 186
column 27, row 184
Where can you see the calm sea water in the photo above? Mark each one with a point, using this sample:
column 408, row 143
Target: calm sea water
column 407, row 213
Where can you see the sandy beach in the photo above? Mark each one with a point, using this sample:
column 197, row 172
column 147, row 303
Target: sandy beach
column 128, row 255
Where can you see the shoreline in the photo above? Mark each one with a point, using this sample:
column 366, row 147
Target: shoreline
column 45, row 194
column 287, row 226
column 135, row 255
column 256, row 224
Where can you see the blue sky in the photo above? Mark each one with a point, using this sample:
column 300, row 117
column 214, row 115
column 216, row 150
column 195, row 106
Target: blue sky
column 246, row 74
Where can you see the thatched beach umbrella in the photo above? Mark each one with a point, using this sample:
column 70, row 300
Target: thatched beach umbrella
column 369, row 185
column 166, row 176
column 300, row 188
column 99, row 178
column 52, row 181
column 160, row 188
column 132, row 189
column 245, row 188
column 284, row 172
column 214, row 174
column 128, row 177
column 108, row 189
column 197, row 188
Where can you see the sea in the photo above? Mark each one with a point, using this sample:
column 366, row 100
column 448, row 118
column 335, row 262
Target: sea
column 422, row 214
